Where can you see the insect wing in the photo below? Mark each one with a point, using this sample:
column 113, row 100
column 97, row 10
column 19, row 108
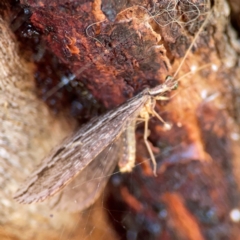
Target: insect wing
column 75, row 153
column 89, row 184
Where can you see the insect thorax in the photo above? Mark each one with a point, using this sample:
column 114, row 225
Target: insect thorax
column 158, row 91
column 148, row 108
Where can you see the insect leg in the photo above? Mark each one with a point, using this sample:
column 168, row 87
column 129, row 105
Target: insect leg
column 145, row 137
column 155, row 114
column 162, row 98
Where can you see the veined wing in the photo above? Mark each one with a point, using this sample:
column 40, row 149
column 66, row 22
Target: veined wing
column 88, row 185
column 76, row 152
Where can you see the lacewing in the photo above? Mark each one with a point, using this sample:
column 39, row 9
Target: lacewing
column 80, row 166
column 93, row 151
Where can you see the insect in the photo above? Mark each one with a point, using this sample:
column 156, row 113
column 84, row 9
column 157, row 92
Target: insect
column 90, row 143
column 77, row 158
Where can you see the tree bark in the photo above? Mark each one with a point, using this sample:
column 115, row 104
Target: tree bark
column 196, row 191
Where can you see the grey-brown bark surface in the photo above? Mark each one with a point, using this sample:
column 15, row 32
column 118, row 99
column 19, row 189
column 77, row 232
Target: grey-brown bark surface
column 28, row 131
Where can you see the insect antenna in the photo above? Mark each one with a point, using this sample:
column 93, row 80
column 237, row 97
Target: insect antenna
column 191, row 45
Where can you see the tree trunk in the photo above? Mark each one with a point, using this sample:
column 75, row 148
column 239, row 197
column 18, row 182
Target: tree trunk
column 131, row 45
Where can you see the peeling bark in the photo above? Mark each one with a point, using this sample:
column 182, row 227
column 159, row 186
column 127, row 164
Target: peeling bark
column 116, row 50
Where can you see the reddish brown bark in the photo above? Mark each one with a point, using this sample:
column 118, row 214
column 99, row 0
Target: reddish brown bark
column 115, row 56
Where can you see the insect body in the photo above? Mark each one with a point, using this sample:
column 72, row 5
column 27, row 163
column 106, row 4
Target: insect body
column 78, row 156
column 101, row 142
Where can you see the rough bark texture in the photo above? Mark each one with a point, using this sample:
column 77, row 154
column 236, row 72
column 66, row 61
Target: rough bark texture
column 131, row 45
column 28, row 131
